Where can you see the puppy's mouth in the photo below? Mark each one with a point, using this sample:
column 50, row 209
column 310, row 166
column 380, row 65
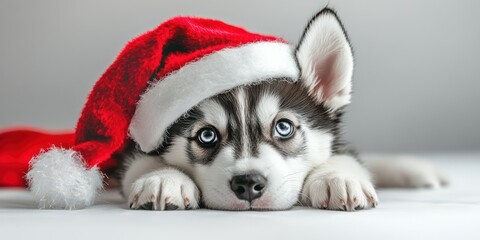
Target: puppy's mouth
column 261, row 204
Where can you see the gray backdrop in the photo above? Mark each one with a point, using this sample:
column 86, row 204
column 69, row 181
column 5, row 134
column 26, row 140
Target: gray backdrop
column 416, row 82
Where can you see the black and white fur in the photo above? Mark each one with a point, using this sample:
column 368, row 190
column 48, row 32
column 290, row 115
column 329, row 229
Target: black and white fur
column 313, row 166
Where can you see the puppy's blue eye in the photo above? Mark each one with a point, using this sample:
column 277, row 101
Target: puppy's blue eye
column 207, row 137
column 284, row 129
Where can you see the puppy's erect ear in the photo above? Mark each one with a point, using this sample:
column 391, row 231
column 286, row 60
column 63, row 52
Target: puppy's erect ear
column 326, row 61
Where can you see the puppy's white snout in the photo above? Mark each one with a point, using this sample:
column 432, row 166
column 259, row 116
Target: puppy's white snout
column 248, row 186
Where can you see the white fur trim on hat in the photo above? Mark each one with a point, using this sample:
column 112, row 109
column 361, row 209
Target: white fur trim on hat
column 171, row 97
column 58, row 178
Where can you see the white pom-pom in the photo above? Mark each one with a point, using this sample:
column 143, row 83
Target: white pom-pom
column 58, row 178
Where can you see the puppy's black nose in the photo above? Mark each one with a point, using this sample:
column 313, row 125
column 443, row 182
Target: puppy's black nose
column 249, row 186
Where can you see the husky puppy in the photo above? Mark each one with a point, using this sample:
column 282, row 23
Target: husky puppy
column 272, row 145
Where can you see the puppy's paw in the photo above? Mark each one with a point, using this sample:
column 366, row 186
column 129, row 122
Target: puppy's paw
column 405, row 172
column 341, row 184
column 165, row 189
column 337, row 192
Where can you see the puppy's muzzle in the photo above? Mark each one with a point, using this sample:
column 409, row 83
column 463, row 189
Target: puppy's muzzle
column 248, row 186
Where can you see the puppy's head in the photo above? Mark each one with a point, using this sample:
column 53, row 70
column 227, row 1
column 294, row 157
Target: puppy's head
column 252, row 147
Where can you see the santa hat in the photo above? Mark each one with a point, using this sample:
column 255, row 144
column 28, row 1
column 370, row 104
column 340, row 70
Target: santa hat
column 156, row 79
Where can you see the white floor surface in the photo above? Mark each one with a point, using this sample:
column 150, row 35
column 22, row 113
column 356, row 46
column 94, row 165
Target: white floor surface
column 450, row 213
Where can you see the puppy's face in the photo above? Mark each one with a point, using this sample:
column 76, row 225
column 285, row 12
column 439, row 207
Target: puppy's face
column 252, row 147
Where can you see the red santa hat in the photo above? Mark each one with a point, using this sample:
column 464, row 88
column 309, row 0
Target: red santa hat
column 156, row 79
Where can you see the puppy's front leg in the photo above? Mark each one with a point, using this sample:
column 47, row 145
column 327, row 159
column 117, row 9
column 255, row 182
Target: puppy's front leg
column 152, row 185
column 341, row 183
